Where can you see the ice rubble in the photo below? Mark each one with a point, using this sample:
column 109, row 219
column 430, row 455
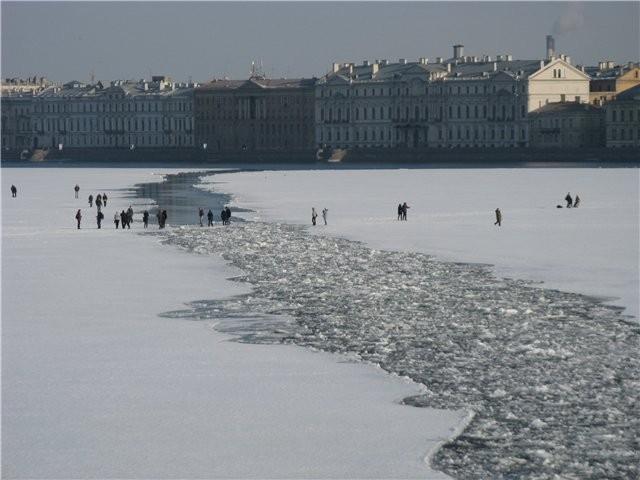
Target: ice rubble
column 553, row 377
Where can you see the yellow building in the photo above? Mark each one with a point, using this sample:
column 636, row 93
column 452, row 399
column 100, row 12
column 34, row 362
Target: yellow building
column 609, row 80
column 623, row 119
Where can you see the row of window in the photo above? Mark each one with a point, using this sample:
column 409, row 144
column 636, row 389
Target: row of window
column 142, row 124
column 459, row 133
column 122, row 140
column 623, row 115
column 623, row 133
column 63, row 107
column 460, row 112
column 428, row 90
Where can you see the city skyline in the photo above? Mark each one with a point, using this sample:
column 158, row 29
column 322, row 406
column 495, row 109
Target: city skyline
column 198, row 40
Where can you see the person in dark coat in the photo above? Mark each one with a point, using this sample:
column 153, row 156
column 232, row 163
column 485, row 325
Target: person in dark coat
column 159, row 217
column 399, row 211
column 569, row 200
column 201, row 215
column 90, row 201
column 104, row 199
column 76, row 189
column 129, row 216
column 123, row 219
column 116, row 219
column 223, row 216
column 145, row 219
column 498, row 217
column 99, row 200
column 576, row 202
column 99, row 218
column 78, row 218
column 228, row 214
column 210, row 218
column 14, row 191
column 405, row 207
column 314, row 215
column 164, row 218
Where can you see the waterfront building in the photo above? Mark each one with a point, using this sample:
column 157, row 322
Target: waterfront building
column 622, row 118
column 609, row 80
column 464, row 101
column 125, row 114
column 255, row 115
column 567, row 125
column 16, row 121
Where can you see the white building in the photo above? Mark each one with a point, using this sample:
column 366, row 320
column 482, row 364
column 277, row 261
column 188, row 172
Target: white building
column 126, row 114
column 460, row 102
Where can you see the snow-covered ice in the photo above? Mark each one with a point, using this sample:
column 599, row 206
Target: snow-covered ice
column 554, row 376
column 591, row 250
column 95, row 384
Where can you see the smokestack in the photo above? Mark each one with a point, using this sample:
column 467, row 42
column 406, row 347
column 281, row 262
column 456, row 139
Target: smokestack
column 551, row 47
column 458, row 51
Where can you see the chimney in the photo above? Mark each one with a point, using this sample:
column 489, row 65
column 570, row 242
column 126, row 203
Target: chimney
column 335, row 67
column 495, row 67
column 438, row 59
column 403, row 61
column 448, row 68
column 551, row 47
column 458, row 51
column 374, row 68
column 365, row 63
column 509, row 58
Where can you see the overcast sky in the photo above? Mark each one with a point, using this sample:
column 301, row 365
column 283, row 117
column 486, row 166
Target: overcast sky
column 69, row 40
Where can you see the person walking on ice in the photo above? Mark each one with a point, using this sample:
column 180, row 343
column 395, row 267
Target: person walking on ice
column 576, row 202
column 104, row 199
column 325, row 212
column 201, row 215
column 210, row 218
column 90, row 201
column 498, row 217
column 145, row 219
column 569, row 200
column 14, row 191
column 99, row 218
column 405, row 207
column 399, row 211
column 76, row 189
column 314, row 215
column 116, row 219
column 78, row 218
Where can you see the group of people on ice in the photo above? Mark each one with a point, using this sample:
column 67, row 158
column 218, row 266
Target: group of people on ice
column 314, row 215
column 571, row 203
column 101, row 200
column 225, row 216
column 402, row 211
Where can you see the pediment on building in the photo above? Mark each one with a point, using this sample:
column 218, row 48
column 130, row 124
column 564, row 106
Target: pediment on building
column 570, row 72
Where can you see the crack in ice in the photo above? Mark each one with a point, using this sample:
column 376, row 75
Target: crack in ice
column 553, row 377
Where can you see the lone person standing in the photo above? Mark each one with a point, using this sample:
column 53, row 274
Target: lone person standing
column 78, row 218
column 210, row 218
column 14, row 191
column 76, row 189
column 99, row 218
column 145, row 219
column 325, row 212
column 90, row 201
column 498, row 217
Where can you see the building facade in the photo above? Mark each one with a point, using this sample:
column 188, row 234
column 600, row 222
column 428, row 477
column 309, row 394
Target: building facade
column 622, row 118
column 255, row 115
column 16, row 120
column 567, row 125
column 608, row 80
column 460, row 102
column 126, row 114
